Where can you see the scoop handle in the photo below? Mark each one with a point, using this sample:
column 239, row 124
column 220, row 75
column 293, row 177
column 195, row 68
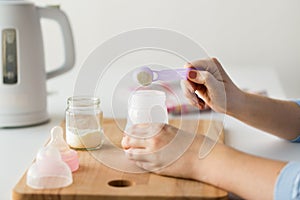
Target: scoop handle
column 170, row 74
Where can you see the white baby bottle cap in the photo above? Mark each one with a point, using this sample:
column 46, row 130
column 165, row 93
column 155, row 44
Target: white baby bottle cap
column 49, row 170
column 147, row 106
column 146, row 99
column 68, row 155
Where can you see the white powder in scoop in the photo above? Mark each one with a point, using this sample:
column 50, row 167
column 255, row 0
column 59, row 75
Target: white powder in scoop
column 144, row 78
column 87, row 140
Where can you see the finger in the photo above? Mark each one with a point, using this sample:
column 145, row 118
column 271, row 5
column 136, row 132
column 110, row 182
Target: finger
column 188, row 86
column 135, row 154
column 196, row 66
column 125, row 142
column 205, row 82
column 210, row 84
column 196, row 76
column 189, row 89
column 207, row 64
column 149, row 143
column 211, row 65
column 130, row 142
column 194, row 100
column 188, row 65
column 210, row 81
column 144, row 131
column 202, row 78
column 141, row 155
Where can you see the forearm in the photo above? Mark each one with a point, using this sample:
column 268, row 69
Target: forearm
column 248, row 176
column 278, row 117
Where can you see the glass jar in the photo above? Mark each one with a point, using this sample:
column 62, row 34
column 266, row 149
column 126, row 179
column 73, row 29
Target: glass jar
column 84, row 119
column 147, row 106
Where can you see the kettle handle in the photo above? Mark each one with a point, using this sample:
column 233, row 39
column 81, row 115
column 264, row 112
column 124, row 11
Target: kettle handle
column 54, row 13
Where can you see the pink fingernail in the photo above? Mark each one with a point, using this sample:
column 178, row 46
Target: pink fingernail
column 192, row 74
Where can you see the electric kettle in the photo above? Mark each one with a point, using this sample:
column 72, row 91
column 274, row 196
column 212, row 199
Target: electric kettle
column 23, row 95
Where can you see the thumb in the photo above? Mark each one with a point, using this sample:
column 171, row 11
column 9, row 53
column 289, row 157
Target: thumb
column 203, row 78
column 196, row 77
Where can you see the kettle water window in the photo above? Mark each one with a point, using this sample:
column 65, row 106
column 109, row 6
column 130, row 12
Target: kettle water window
column 9, row 56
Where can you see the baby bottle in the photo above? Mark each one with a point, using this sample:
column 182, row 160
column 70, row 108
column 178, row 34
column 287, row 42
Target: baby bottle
column 147, row 106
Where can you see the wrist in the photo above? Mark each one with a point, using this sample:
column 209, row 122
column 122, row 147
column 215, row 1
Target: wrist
column 236, row 102
column 209, row 168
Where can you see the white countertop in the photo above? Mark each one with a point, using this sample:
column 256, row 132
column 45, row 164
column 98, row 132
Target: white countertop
column 19, row 146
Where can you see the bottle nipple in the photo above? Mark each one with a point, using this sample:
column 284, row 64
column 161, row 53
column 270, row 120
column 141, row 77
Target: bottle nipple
column 68, row 155
column 49, row 170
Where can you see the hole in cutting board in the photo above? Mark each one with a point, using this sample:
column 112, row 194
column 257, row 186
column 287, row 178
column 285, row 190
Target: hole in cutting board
column 120, row 183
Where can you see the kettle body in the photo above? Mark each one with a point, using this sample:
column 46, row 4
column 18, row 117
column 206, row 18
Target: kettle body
column 23, row 94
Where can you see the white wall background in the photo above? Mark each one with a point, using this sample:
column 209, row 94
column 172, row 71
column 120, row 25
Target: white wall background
column 249, row 33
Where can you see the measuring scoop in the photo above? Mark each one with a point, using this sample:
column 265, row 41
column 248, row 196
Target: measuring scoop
column 145, row 76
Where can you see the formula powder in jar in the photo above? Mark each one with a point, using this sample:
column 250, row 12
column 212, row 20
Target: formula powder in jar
column 84, row 123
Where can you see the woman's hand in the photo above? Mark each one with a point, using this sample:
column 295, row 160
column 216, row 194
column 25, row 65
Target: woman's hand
column 166, row 150
column 209, row 85
column 163, row 149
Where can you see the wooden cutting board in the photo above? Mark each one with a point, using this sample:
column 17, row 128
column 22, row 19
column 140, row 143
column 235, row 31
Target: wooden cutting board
column 95, row 180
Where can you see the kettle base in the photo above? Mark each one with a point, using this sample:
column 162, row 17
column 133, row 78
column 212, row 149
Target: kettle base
column 23, row 120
